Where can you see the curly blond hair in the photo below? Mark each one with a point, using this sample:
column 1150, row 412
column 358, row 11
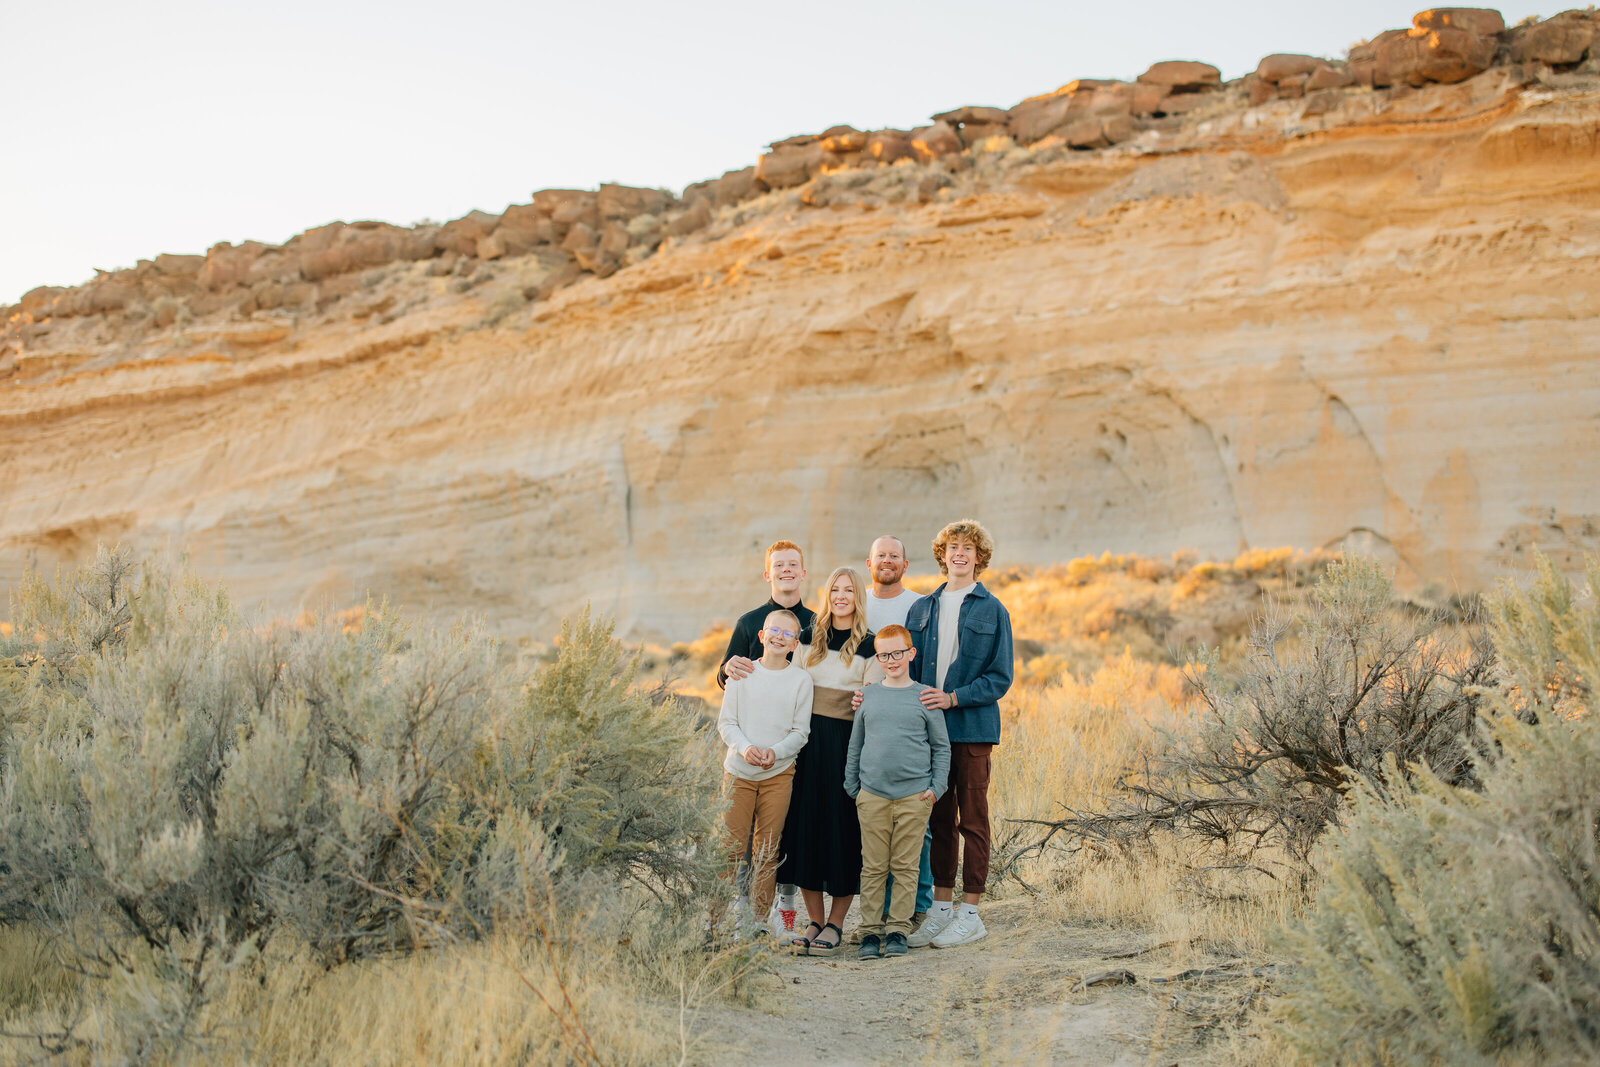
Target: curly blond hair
column 965, row 530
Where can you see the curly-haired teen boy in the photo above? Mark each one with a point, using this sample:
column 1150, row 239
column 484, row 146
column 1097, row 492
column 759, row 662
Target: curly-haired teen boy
column 962, row 635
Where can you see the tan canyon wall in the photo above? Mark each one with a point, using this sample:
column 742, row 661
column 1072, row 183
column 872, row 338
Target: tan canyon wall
column 1377, row 323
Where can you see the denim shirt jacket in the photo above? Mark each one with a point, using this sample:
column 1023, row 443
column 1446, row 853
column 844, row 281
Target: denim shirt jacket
column 981, row 674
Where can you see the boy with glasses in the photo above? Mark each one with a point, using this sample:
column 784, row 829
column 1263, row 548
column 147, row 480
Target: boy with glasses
column 898, row 766
column 888, row 603
column 765, row 720
column 785, row 572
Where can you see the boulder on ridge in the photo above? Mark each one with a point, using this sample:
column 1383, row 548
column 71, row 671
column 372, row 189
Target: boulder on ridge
column 931, row 142
column 975, row 133
column 1036, row 117
column 1478, row 21
column 1563, row 38
column 799, row 140
column 1275, row 68
column 888, row 146
column 842, row 139
column 1444, row 45
column 972, row 115
column 462, row 235
column 1182, row 76
column 180, row 266
column 37, row 300
column 734, row 186
column 786, row 167
column 626, row 201
column 227, row 265
column 1329, row 76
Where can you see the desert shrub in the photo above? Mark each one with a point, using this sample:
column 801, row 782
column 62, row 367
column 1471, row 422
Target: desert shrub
column 1462, row 925
column 623, row 783
column 178, row 787
column 1347, row 691
column 1549, row 644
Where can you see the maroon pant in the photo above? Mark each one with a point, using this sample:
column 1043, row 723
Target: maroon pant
column 964, row 808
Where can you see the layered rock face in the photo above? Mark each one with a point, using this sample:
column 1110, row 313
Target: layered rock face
column 1359, row 308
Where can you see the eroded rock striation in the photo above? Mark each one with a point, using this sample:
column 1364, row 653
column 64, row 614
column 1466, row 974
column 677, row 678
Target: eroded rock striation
column 1341, row 300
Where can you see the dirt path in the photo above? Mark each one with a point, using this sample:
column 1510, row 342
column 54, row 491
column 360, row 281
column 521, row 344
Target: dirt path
column 1004, row 999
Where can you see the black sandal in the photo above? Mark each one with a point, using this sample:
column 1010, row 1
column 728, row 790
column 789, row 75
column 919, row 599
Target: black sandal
column 825, row 948
column 802, row 945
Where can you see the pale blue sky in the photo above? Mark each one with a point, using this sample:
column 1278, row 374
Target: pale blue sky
column 166, row 127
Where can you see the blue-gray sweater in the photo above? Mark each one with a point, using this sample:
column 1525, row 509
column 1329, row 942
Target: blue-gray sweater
column 981, row 674
column 897, row 747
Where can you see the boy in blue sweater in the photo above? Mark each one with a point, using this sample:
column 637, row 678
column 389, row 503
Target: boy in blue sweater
column 898, row 765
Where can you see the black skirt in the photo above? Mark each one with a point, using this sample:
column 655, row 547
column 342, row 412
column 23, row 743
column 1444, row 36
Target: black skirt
column 822, row 836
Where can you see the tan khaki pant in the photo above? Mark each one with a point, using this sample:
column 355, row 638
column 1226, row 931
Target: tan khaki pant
column 754, row 820
column 891, row 843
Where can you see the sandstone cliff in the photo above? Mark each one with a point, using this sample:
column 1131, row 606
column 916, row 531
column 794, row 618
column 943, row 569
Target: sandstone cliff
column 1333, row 301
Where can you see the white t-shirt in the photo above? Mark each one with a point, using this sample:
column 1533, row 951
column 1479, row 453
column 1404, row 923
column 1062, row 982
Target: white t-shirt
column 890, row 612
column 950, row 630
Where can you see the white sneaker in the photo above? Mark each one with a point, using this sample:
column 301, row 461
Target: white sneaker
column 781, row 925
column 932, row 926
column 965, row 930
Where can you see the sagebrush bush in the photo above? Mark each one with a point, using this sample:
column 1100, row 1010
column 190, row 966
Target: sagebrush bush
column 1462, row 925
column 178, row 786
column 1353, row 688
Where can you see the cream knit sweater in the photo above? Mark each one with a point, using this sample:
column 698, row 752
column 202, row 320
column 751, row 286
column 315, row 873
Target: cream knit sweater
column 769, row 709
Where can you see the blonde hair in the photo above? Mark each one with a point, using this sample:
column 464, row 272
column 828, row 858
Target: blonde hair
column 785, row 613
column 965, row 530
column 824, row 624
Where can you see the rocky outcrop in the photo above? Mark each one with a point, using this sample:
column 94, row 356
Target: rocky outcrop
column 1136, row 315
column 1288, row 77
column 1562, row 41
column 1445, row 45
column 1442, row 46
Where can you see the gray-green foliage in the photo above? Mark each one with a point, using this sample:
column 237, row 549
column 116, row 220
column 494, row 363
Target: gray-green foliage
column 1461, row 925
column 176, row 779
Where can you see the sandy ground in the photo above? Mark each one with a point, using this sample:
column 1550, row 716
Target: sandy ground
column 1005, row 999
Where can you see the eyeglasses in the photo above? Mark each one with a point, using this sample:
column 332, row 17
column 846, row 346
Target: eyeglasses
column 783, row 634
column 893, row 657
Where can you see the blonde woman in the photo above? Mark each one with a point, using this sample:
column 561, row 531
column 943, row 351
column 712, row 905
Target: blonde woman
column 822, row 834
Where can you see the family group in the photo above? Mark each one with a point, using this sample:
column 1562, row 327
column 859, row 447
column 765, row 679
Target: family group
column 859, row 744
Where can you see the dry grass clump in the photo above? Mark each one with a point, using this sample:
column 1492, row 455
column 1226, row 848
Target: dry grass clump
column 1069, row 619
column 1074, row 616
column 1065, row 749
column 583, row 996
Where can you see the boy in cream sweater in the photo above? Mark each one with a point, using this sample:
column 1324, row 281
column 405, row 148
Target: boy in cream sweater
column 765, row 720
